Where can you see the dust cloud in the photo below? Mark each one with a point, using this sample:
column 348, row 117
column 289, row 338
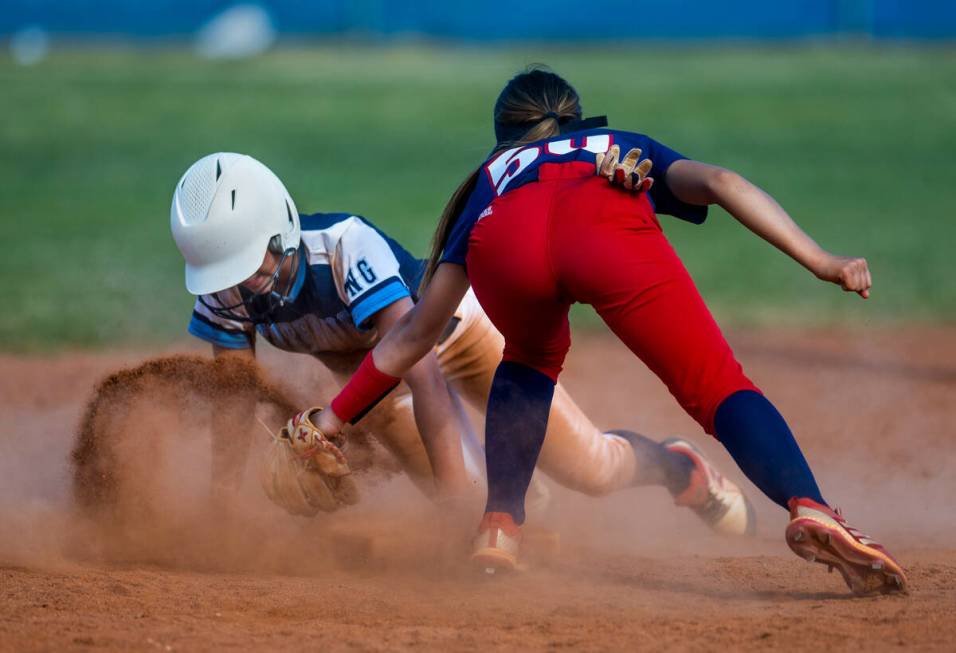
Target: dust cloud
column 130, row 476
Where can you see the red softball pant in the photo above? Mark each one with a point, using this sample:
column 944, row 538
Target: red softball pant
column 570, row 237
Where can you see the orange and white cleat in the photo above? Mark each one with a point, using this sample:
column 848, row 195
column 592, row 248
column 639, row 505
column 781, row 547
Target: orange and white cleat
column 497, row 544
column 715, row 499
column 818, row 534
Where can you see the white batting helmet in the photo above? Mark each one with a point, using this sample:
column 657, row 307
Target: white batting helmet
column 226, row 209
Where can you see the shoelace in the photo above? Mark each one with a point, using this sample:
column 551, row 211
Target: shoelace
column 856, row 534
column 713, row 509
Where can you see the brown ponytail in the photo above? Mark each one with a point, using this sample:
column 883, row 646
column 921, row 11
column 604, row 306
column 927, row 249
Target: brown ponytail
column 531, row 107
column 449, row 215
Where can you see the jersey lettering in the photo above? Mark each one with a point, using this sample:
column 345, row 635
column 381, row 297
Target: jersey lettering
column 366, row 271
column 509, row 165
column 352, row 286
column 512, row 162
column 597, row 144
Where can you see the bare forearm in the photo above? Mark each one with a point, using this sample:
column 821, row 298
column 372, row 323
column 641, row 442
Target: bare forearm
column 418, row 330
column 700, row 183
column 407, row 342
column 761, row 214
column 438, row 425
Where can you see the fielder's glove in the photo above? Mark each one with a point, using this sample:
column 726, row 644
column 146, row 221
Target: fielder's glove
column 628, row 173
column 306, row 473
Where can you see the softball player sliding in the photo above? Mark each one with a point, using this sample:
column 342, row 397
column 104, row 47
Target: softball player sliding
column 533, row 230
column 330, row 285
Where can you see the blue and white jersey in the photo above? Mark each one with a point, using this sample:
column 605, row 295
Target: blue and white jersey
column 511, row 169
column 348, row 270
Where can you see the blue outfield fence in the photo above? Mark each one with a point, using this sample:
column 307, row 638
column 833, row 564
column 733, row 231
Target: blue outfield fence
column 571, row 20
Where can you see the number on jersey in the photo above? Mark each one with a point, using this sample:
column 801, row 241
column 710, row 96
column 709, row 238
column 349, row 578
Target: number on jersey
column 511, row 163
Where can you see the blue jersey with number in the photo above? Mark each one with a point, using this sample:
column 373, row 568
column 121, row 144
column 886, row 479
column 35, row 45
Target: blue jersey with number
column 513, row 168
column 348, row 270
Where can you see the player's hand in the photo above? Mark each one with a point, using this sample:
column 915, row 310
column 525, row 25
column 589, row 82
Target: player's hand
column 328, row 422
column 849, row 272
column 304, row 471
column 631, row 173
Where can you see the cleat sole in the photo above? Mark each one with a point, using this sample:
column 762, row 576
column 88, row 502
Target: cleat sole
column 491, row 562
column 865, row 570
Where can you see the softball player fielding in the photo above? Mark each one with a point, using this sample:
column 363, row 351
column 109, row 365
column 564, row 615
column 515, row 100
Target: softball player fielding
column 330, row 285
column 532, row 231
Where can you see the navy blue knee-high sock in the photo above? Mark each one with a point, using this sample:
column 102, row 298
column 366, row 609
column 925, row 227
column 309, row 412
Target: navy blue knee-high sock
column 515, row 425
column 761, row 443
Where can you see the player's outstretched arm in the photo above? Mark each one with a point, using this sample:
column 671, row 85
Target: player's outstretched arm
column 700, row 183
column 410, row 338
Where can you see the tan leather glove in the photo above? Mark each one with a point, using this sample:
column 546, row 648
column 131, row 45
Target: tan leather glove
column 306, row 473
column 630, row 174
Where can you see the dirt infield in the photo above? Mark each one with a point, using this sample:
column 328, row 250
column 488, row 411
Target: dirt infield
column 875, row 414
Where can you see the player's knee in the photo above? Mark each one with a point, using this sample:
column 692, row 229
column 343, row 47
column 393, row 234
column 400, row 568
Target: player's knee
column 547, row 361
column 706, row 408
column 549, row 369
column 596, row 488
column 701, row 393
column 585, row 481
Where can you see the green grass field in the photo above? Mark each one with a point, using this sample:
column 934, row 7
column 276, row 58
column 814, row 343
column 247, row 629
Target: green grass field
column 858, row 143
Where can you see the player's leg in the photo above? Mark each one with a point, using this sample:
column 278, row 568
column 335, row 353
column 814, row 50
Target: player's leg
column 641, row 289
column 509, row 272
column 577, row 455
column 392, row 422
column 469, row 354
column 639, row 286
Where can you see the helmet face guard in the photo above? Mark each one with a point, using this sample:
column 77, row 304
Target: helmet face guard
column 257, row 308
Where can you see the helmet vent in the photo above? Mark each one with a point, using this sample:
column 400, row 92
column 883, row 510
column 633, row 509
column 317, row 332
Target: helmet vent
column 197, row 192
column 233, row 199
column 288, row 210
column 218, row 170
